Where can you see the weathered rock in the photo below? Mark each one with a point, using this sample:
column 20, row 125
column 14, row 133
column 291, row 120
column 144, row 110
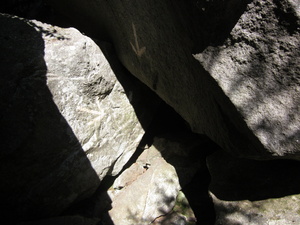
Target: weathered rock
column 274, row 211
column 254, row 192
column 180, row 214
column 65, row 119
column 258, row 68
column 155, row 43
column 149, row 197
column 148, row 191
column 95, row 104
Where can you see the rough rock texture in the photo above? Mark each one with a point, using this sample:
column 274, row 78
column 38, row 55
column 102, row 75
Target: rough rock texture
column 92, row 100
column 229, row 68
column 65, row 120
column 275, row 211
column 180, row 214
column 258, row 68
column 155, row 43
column 149, row 197
column 148, row 191
column 254, row 192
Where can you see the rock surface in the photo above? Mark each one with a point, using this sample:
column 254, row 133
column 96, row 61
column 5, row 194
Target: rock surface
column 258, row 68
column 149, row 190
column 66, row 121
column 155, row 43
column 275, row 211
column 70, row 116
column 254, row 192
column 93, row 101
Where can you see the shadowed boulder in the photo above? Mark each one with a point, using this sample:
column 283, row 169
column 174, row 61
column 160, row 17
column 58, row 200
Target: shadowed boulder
column 66, row 120
column 257, row 117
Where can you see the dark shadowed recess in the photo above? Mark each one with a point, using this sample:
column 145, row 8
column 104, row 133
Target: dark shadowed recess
column 34, row 9
column 209, row 23
column 38, row 176
column 235, row 179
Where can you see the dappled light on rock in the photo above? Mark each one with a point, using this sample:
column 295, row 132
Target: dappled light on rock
column 149, row 112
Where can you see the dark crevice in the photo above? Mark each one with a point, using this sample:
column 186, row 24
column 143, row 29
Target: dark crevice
column 287, row 16
column 34, row 10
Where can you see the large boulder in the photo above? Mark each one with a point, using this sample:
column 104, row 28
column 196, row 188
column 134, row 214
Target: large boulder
column 258, row 68
column 66, row 120
column 243, row 93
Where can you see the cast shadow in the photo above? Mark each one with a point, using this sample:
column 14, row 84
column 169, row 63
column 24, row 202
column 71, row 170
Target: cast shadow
column 244, row 179
column 165, row 123
column 252, row 180
column 209, row 23
column 42, row 164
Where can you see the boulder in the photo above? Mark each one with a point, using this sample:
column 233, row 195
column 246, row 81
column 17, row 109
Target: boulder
column 104, row 114
column 258, row 68
column 254, row 192
column 243, row 89
column 149, row 190
column 65, row 119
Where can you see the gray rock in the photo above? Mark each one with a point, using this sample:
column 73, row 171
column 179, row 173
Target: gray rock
column 92, row 100
column 149, row 190
column 254, row 192
column 182, row 214
column 66, row 121
column 275, row 211
column 149, row 197
column 246, row 99
column 258, row 68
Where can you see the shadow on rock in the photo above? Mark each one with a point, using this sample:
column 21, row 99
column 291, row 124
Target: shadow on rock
column 166, row 180
column 43, row 166
column 254, row 192
column 235, row 179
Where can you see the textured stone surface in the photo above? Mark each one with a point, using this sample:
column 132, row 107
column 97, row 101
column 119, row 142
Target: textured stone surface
column 66, row 121
column 275, row 211
column 155, row 43
column 149, row 197
column 254, row 192
column 181, row 213
column 148, row 191
column 89, row 96
column 258, row 68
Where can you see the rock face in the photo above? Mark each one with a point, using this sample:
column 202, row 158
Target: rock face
column 258, row 68
column 66, row 121
column 92, row 100
column 254, row 192
column 235, row 108
column 149, row 190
